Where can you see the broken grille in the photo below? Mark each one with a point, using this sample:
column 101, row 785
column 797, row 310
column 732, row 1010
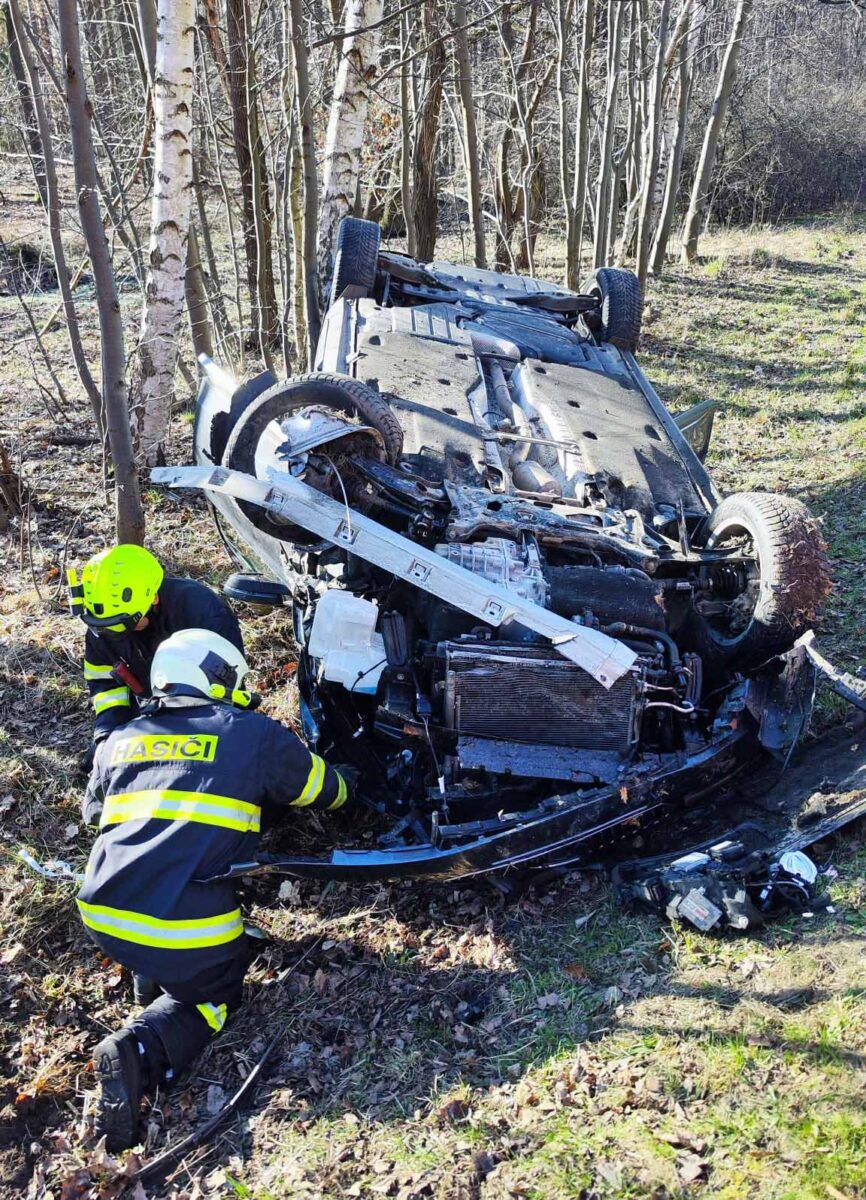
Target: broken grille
column 528, row 694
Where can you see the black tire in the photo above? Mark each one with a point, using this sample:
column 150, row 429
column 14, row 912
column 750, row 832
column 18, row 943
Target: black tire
column 339, row 392
column 356, row 257
column 781, row 600
column 621, row 303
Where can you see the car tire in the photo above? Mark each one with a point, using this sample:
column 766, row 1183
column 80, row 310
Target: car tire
column 620, row 300
column 340, row 392
column 791, row 582
column 356, row 257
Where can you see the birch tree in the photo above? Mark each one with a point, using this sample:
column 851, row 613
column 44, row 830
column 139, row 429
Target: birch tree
column 153, row 386
column 358, row 65
column 724, row 87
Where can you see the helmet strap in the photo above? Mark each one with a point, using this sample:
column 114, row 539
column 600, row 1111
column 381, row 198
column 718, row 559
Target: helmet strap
column 75, row 590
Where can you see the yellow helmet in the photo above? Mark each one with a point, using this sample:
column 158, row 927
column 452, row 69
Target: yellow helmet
column 116, row 589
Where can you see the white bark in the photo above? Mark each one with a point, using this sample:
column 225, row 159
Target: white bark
column 169, row 225
column 359, row 64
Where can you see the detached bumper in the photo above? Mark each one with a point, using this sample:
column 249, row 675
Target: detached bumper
column 569, row 829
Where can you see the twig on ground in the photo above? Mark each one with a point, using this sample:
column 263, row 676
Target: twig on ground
column 164, row 1160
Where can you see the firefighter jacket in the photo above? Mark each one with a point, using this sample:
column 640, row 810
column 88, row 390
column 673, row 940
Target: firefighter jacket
column 178, row 795
column 183, row 604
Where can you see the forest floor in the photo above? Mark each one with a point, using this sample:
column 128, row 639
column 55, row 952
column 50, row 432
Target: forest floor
column 440, row 1041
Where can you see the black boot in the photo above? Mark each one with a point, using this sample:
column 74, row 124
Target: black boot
column 119, row 1073
column 145, row 990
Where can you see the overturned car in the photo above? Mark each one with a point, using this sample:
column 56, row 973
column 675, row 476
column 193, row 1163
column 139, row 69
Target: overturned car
column 523, row 612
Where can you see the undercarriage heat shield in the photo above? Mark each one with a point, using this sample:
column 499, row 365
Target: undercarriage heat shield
column 532, row 695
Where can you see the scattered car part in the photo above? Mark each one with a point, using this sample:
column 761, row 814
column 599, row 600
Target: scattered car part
column 846, row 685
column 727, row 886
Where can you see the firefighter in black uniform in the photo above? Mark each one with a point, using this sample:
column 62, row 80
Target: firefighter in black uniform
column 178, row 793
column 129, row 607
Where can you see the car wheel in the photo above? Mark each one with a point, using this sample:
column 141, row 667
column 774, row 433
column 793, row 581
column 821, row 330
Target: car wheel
column 752, row 611
column 621, row 303
column 356, row 257
column 339, row 392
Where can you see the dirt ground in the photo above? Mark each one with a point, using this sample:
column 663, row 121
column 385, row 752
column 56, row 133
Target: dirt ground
column 440, row 1041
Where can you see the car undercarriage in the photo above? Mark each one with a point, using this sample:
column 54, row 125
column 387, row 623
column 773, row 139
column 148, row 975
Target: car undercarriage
column 524, row 615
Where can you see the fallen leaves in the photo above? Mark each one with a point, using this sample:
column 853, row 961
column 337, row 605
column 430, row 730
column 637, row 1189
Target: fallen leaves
column 216, row 1098
column 576, row 971
column 691, row 1168
column 13, row 955
column 453, row 1110
column 681, row 1138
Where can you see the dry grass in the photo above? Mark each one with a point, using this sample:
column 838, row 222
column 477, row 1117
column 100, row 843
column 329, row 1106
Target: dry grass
column 440, row 1043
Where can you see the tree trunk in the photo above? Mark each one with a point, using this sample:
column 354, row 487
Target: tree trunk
column 153, row 384
column 574, row 243
column 249, row 148
column 470, row 132
column 146, row 14
column 672, row 182
column 196, row 299
column 606, row 165
column 306, row 258
column 651, row 160
column 129, row 517
column 508, row 200
column 28, row 110
column 724, row 87
column 358, row 66
column 53, row 213
column 406, row 171
column 221, row 320
column 425, row 199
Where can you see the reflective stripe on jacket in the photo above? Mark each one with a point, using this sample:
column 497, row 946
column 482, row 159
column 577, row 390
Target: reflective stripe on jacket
column 183, row 604
column 178, row 793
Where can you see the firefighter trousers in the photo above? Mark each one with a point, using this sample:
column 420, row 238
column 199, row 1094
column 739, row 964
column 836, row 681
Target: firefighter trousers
column 174, row 1029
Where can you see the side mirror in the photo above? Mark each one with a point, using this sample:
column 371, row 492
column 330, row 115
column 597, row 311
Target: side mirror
column 696, row 425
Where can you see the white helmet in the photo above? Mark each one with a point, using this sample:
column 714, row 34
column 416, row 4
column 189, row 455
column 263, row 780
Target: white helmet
column 196, row 662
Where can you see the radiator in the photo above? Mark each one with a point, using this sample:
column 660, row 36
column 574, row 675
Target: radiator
column 532, row 694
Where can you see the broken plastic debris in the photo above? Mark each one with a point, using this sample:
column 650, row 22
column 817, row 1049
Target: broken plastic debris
column 55, row 868
column 796, row 863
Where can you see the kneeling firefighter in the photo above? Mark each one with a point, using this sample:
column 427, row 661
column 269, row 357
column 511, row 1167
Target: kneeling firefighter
column 178, row 793
column 129, row 606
